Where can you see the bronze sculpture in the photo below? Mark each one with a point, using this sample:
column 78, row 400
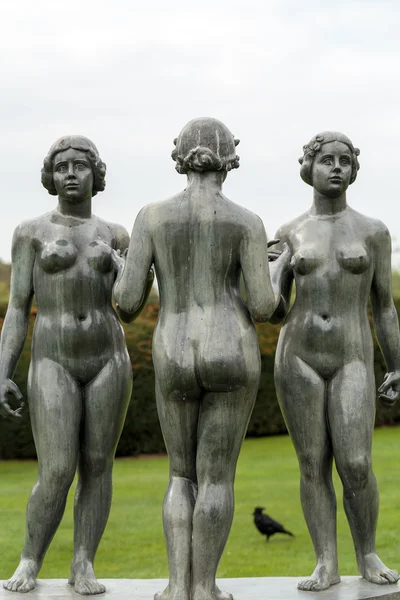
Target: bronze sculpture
column 80, row 373
column 324, row 362
column 205, row 347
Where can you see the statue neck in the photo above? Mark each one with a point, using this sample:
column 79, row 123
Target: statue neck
column 81, row 209
column 211, row 180
column 326, row 205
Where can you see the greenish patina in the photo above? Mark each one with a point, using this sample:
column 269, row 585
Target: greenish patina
column 80, row 373
column 205, row 346
column 324, row 362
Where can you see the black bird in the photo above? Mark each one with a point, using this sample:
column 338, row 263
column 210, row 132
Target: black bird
column 266, row 525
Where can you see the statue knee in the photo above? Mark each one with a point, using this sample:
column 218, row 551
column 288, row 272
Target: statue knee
column 95, row 464
column 355, row 473
column 183, row 466
column 218, row 475
column 57, row 476
column 310, row 468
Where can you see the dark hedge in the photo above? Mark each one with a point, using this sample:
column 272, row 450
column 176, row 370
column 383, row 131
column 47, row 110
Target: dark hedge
column 142, row 432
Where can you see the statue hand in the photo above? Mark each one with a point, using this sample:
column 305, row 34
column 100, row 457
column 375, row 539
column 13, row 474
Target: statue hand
column 150, row 277
column 389, row 391
column 273, row 254
column 118, row 259
column 9, row 387
column 283, row 256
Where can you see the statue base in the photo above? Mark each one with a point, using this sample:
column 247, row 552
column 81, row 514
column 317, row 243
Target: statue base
column 246, row 588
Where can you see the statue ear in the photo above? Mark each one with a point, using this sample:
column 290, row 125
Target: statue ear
column 175, row 140
column 237, row 142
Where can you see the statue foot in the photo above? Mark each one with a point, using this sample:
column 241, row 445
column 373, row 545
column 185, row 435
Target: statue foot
column 24, row 578
column 173, row 592
column 375, row 571
column 322, row 578
column 84, row 580
column 202, row 593
column 220, row 595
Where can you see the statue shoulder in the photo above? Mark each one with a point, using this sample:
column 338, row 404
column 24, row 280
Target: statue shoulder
column 286, row 231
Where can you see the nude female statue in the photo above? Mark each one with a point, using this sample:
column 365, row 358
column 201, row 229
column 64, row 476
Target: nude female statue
column 205, row 347
column 80, row 373
column 324, row 363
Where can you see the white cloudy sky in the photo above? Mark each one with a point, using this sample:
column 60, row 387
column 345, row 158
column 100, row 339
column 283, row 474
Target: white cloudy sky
column 129, row 74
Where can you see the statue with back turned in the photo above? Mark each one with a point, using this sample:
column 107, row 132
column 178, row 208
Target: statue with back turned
column 205, row 346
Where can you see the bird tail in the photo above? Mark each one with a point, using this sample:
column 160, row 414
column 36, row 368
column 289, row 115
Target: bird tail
column 288, row 532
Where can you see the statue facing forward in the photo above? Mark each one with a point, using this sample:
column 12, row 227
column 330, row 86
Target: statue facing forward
column 80, row 373
column 324, row 363
column 205, row 346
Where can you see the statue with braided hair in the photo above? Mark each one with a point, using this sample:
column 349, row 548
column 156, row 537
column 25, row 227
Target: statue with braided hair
column 205, row 346
column 324, row 370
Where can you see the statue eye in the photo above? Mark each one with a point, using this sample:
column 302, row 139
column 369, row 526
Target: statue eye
column 327, row 161
column 61, row 169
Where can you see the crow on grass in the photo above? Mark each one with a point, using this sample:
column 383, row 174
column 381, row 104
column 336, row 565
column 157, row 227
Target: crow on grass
column 266, row 525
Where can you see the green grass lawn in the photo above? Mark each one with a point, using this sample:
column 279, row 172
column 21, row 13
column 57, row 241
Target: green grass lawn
column 267, row 475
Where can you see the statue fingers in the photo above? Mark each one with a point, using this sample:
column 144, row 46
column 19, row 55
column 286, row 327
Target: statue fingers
column 390, row 397
column 390, row 380
column 7, row 412
column 285, row 253
column 150, row 276
column 13, row 389
column 117, row 259
column 389, row 391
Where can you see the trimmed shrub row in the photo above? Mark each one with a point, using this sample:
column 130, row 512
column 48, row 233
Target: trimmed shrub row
column 142, row 433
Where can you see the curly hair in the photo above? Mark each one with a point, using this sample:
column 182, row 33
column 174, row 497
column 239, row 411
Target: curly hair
column 205, row 144
column 314, row 146
column 77, row 142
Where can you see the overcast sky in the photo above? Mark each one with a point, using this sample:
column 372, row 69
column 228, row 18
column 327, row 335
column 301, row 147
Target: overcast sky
column 130, row 74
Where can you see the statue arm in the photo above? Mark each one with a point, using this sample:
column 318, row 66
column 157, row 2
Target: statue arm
column 135, row 275
column 261, row 298
column 121, row 238
column 121, row 246
column 281, row 276
column 16, row 322
column 385, row 316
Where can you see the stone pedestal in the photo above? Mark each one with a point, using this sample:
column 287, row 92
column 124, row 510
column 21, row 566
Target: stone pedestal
column 255, row 588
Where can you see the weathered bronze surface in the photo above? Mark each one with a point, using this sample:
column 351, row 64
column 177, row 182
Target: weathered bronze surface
column 80, row 373
column 205, row 347
column 324, row 363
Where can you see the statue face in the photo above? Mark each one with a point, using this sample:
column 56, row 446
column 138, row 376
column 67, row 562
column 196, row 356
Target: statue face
column 331, row 170
column 73, row 175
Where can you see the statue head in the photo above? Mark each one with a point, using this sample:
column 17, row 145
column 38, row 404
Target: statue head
column 315, row 145
column 205, row 144
column 83, row 144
